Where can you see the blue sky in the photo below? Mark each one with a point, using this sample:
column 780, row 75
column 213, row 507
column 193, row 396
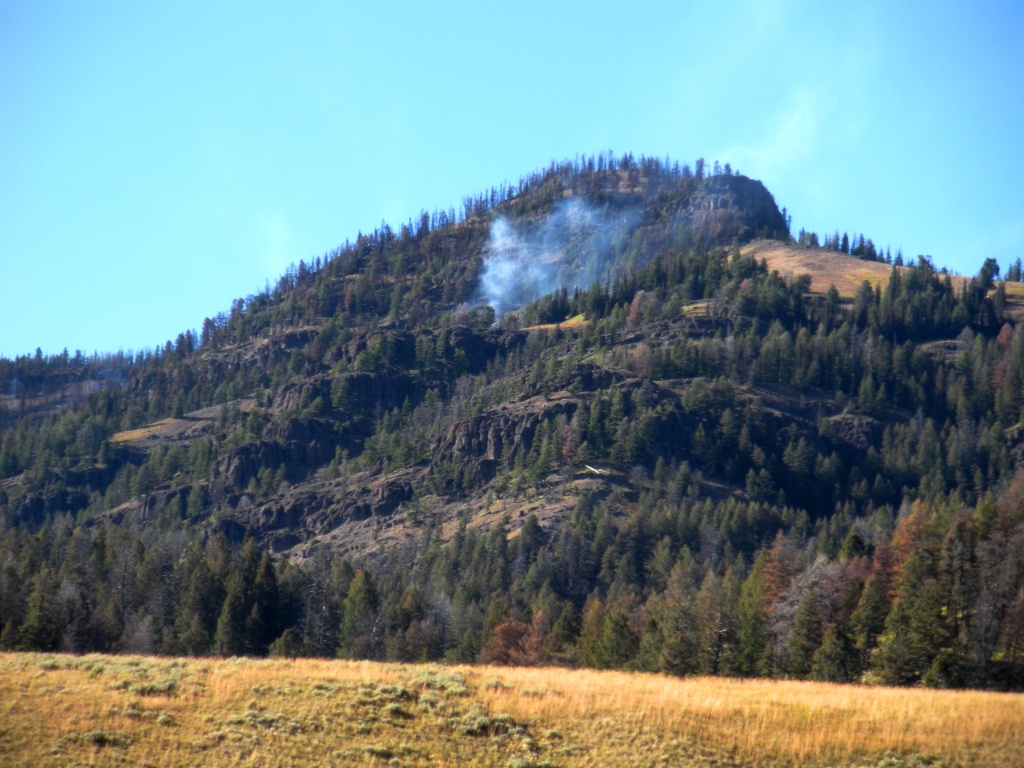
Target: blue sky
column 156, row 163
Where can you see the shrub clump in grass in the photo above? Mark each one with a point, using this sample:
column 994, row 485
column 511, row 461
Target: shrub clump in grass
column 431, row 702
column 450, row 683
column 396, row 712
column 104, row 739
column 323, row 689
column 528, row 762
column 371, row 695
column 893, row 760
column 477, row 724
column 165, row 687
column 278, row 723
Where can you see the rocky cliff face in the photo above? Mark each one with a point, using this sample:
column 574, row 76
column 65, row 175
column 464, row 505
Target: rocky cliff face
column 234, row 470
column 483, row 442
column 734, row 208
column 362, row 392
column 318, row 509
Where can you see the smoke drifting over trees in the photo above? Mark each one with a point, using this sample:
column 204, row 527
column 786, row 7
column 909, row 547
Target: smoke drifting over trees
column 572, row 247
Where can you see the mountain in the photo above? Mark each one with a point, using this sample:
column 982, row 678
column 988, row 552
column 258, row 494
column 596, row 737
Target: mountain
column 599, row 417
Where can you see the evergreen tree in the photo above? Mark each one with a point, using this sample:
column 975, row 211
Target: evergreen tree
column 590, row 652
column 914, row 630
column 230, row 637
column 618, row 643
column 202, row 598
column 838, row 659
column 261, row 626
column 868, row 618
column 753, row 649
column 357, row 633
column 678, row 653
column 715, row 608
column 42, row 626
column 805, row 637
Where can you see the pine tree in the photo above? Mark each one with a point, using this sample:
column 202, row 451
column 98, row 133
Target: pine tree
column 566, row 628
column 9, row 636
column 619, row 643
column 261, row 626
column 753, row 651
column 41, row 628
column 805, row 636
column 837, row 660
column 678, row 653
column 230, row 636
column 715, row 609
column 914, row 630
column 192, row 636
column 867, row 622
column 287, row 646
column 201, row 600
column 356, row 636
column 591, row 629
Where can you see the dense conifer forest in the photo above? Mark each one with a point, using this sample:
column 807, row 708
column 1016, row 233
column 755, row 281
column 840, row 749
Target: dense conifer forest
column 666, row 457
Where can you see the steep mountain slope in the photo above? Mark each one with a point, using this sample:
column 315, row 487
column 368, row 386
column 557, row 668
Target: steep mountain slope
column 585, row 411
column 359, row 334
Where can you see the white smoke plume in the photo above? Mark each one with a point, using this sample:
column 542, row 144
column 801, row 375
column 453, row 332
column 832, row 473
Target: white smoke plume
column 572, row 247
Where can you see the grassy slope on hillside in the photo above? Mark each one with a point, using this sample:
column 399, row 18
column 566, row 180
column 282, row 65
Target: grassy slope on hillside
column 109, row 710
column 827, row 267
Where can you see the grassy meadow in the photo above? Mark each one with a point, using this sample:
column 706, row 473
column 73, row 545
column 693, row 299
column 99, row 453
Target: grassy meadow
column 122, row 710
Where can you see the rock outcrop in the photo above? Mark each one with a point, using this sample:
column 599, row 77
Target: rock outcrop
column 483, row 442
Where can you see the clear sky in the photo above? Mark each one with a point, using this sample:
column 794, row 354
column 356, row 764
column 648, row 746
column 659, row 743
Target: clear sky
column 157, row 162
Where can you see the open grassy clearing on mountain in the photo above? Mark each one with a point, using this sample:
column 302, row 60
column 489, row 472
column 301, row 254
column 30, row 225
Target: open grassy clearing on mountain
column 573, row 323
column 186, row 427
column 825, row 267
column 113, row 710
column 847, row 273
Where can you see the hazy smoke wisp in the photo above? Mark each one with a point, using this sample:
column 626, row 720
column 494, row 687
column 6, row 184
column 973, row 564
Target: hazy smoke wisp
column 572, row 247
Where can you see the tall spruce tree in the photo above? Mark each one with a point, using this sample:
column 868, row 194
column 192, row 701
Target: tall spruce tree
column 915, row 631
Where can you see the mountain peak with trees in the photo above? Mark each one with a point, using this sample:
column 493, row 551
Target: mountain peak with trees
column 612, row 415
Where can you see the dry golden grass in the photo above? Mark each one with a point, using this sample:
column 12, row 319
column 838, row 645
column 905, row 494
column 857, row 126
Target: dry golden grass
column 696, row 308
column 847, row 273
column 103, row 710
column 189, row 425
column 1015, row 290
column 762, row 722
column 826, row 268
column 160, row 428
column 572, row 323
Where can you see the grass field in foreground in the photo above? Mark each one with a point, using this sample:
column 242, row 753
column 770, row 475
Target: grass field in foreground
column 120, row 710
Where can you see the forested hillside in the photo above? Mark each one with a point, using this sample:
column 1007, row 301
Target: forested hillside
column 575, row 423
